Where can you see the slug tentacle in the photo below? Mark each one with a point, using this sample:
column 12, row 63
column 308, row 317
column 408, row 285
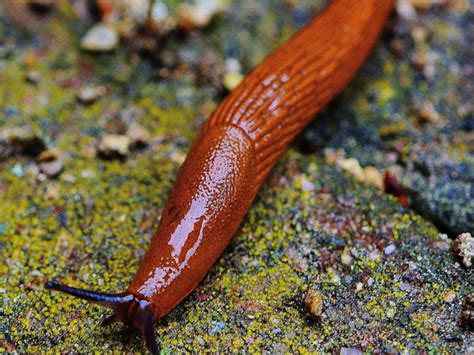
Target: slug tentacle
column 127, row 308
column 109, row 300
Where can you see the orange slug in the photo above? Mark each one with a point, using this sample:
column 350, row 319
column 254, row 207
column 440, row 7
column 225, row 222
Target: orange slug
column 234, row 152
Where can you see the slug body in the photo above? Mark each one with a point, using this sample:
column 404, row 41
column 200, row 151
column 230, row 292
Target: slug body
column 235, row 150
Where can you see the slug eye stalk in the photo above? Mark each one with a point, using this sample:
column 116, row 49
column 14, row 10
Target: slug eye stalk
column 127, row 308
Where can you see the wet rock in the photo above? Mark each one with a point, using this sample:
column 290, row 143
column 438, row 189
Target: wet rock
column 100, row 38
column 88, row 94
column 33, row 77
column 467, row 313
column 114, row 146
column 314, row 303
column 51, row 163
column 464, row 248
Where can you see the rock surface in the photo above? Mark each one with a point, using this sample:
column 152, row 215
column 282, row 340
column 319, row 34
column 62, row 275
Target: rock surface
column 387, row 277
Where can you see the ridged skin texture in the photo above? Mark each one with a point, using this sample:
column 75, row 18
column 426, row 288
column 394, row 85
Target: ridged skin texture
column 243, row 139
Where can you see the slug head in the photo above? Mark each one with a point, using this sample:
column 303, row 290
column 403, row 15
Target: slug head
column 127, row 308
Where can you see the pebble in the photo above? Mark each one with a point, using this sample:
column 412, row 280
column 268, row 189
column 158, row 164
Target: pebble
column 370, row 281
column 232, row 65
column 422, row 5
column 232, row 80
column 389, row 249
column 139, row 136
column 331, row 155
column 200, row 14
column 33, row 77
column 419, row 61
column 113, row 146
column 374, row 255
column 88, row 94
column 346, row 257
column 22, row 141
column 51, row 163
column 216, row 327
column 137, row 9
column 100, row 38
column 390, row 313
column 373, row 177
column 428, row 114
column 353, row 167
column 314, row 303
column 159, row 12
column 17, row 170
column 350, row 351
column 449, row 297
column 464, row 247
column 406, row 10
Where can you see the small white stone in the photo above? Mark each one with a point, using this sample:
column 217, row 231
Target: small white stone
column 100, row 38
column 232, row 65
column 464, row 246
column 390, row 249
column 113, row 145
column 370, row 281
column 159, row 12
column 89, row 94
column 406, row 10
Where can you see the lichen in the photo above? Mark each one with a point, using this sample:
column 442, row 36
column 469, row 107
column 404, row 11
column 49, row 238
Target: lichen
column 90, row 226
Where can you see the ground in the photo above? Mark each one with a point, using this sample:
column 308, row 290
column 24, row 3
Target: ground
column 385, row 272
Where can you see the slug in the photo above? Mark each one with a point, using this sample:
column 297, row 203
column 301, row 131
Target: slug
column 235, row 150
